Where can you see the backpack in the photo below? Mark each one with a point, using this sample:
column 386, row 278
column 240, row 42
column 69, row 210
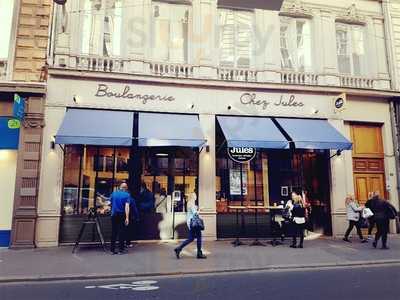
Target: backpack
column 196, row 223
column 391, row 211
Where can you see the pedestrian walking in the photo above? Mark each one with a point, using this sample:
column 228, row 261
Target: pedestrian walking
column 371, row 220
column 382, row 213
column 299, row 221
column 119, row 217
column 354, row 210
column 195, row 225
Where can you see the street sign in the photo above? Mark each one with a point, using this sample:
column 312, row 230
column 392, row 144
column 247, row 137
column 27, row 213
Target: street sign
column 18, row 107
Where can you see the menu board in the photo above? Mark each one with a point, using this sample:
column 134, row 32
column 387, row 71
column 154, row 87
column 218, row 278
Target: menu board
column 235, row 182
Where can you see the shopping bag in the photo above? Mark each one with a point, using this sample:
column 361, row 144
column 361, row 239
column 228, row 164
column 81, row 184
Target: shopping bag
column 366, row 213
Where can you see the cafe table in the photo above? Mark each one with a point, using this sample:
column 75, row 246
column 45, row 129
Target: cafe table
column 237, row 242
column 256, row 208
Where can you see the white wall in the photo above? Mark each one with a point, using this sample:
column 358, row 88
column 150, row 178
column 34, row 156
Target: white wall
column 8, row 169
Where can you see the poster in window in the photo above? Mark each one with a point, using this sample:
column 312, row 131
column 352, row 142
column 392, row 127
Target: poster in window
column 235, row 182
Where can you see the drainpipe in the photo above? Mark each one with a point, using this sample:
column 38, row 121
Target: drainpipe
column 394, row 111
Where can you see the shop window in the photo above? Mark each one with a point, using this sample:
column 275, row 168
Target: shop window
column 101, row 24
column 91, row 174
column 242, row 184
column 350, row 45
column 170, row 32
column 236, row 38
column 295, row 43
column 172, row 176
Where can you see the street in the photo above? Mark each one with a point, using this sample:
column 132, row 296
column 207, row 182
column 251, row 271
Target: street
column 379, row 282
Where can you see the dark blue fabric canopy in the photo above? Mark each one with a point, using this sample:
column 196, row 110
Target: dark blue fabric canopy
column 158, row 130
column 314, row 134
column 252, row 132
column 96, row 127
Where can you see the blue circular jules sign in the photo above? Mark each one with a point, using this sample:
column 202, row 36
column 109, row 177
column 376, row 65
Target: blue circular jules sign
column 241, row 154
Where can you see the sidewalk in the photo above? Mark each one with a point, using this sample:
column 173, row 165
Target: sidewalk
column 149, row 259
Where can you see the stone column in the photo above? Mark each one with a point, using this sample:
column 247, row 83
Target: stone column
column 207, row 183
column 28, row 174
column 267, row 45
column 202, row 40
column 51, row 178
column 326, row 22
column 341, row 182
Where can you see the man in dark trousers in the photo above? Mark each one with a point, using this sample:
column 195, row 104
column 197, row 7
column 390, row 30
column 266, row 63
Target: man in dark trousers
column 120, row 201
column 133, row 217
column 380, row 208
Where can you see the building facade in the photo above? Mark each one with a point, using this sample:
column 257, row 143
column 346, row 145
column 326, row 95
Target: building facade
column 157, row 92
column 23, row 53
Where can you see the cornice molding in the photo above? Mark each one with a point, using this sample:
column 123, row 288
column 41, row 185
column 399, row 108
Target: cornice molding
column 296, row 9
column 351, row 16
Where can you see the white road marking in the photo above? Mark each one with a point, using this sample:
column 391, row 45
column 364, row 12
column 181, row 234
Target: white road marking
column 142, row 286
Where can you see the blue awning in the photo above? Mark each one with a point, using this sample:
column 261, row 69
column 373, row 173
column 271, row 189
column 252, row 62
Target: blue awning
column 252, row 132
column 157, row 130
column 314, row 134
column 96, row 127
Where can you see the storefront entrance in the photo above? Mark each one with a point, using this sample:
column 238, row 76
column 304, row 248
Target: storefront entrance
column 162, row 175
column 288, row 159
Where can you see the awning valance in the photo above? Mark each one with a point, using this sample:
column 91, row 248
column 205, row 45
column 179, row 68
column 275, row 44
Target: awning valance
column 252, row 132
column 96, row 127
column 314, row 134
column 158, row 130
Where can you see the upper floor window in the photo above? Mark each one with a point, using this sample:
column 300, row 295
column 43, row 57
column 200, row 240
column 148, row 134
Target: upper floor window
column 170, row 32
column 6, row 16
column 101, row 27
column 350, row 45
column 236, row 38
column 296, row 44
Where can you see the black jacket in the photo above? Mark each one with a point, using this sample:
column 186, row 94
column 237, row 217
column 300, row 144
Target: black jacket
column 379, row 207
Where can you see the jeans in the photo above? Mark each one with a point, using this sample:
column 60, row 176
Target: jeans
column 193, row 234
column 118, row 231
column 298, row 231
column 383, row 229
column 350, row 228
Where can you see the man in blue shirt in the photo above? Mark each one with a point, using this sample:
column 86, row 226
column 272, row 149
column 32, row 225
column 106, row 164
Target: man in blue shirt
column 120, row 201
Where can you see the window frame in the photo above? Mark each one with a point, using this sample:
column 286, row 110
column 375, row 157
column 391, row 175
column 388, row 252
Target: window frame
column 292, row 35
column 171, row 5
column 349, row 29
column 252, row 57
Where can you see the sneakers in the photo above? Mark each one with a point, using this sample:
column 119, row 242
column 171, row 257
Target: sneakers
column 363, row 241
column 346, row 240
column 293, row 246
column 177, row 252
column 374, row 244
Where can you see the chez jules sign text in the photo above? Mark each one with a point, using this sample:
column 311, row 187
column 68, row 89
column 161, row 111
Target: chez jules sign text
column 286, row 101
column 103, row 90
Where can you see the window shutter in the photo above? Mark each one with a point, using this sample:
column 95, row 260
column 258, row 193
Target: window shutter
column 358, row 51
column 244, row 38
column 342, row 44
column 227, row 38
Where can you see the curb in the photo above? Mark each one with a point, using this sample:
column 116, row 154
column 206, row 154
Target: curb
column 54, row 278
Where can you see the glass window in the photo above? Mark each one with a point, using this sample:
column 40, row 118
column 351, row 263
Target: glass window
column 350, row 46
column 171, row 174
column 101, row 27
column 296, row 44
column 241, row 184
column 170, row 32
column 91, row 174
column 236, row 38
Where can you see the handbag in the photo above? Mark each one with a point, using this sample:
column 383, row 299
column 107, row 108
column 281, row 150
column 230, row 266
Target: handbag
column 366, row 213
column 196, row 223
column 363, row 223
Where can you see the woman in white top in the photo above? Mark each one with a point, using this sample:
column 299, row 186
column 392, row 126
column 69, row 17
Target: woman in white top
column 353, row 216
column 299, row 220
